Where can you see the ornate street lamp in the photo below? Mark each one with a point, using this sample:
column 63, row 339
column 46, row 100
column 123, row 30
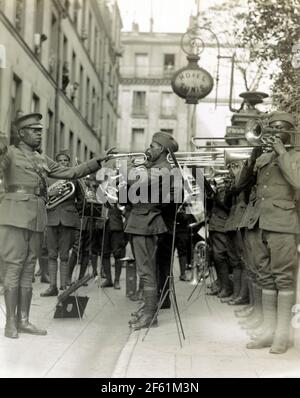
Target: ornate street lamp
column 193, row 82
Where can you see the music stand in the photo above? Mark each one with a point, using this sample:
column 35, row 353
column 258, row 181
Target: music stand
column 170, row 278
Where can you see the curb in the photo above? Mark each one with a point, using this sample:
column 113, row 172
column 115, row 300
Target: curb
column 123, row 362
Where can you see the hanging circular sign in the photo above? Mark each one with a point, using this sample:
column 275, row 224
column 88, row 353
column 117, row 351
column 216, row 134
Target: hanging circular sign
column 192, row 83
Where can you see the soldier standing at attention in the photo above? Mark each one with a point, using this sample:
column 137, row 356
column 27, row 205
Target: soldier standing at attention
column 275, row 223
column 62, row 221
column 23, row 216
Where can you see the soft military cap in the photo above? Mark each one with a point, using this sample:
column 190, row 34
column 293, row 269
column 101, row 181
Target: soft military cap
column 282, row 117
column 31, row 120
column 166, row 140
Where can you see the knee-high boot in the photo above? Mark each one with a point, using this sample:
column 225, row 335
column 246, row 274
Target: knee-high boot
column 255, row 319
column 107, row 270
column 118, row 270
column 11, row 301
column 94, row 264
column 43, row 262
column 84, row 265
column 182, row 265
column 72, row 264
column 243, row 297
column 148, row 318
column 52, row 289
column 24, row 326
column 285, row 303
column 248, row 310
column 64, row 273
column 269, row 305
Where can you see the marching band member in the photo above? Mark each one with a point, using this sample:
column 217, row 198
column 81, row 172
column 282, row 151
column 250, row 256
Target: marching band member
column 23, row 216
column 275, row 222
column 62, row 221
column 146, row 224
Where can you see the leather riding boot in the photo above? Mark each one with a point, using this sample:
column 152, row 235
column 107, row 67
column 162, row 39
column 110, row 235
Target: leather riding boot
column 182, row 265
column 72, row 264
column 94, row 264
column 135, row 316
column 84, row 265
column 50, row 292
column 285, row 302
column 118, row 270
column 52, row 266
column 24, row 326
column 255, row 318
column 246, row 311
column 148, row 318
column 43, row 261
column 11, row 301
column 236, row 277
column 225, row 283
column 269, row 305
column 64, row 273
column 107, row 270
column 243, row 297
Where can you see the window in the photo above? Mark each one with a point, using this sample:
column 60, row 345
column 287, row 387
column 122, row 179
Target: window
column 76, row 11
column 62, row 136
column 19, row 16
column 169, row 62
column 138, row 139
column 71, row 144
column 81, row 89
column 169, row 131
column 78, row 151
column 50, row 132
column 16, row 96
column 85, row 153
column 53, row 46
column 96, row 44
column 168, row 105
column 89, row 41
column 139, row 103
column 87, row 99
column 73, row 70
column 141, row 65
column 94, row 101
column 35, row 104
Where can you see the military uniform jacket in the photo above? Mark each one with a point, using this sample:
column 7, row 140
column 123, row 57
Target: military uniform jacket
column 19, row 166
column 146, row 218
column 275, row 203
column 219, row 215
column 115, row 219
column 65, row 213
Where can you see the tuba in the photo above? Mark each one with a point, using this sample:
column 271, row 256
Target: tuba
column 65, row 190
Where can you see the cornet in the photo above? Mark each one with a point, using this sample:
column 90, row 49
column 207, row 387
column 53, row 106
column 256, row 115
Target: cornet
column 137, row 158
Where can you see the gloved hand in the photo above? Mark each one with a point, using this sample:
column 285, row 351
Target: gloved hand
column 106, row 156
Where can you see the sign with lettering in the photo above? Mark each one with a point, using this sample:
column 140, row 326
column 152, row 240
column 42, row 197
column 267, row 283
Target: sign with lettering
column 192, row 83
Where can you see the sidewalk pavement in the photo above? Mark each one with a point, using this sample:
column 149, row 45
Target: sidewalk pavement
column 214, row 345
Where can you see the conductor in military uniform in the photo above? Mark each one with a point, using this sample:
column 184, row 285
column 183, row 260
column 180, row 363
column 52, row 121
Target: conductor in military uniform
column 23, row 216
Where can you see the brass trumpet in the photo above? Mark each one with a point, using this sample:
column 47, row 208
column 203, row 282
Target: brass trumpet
column 137, row 158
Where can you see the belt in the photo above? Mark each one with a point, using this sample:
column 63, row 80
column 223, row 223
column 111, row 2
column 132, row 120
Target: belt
column 25, row 189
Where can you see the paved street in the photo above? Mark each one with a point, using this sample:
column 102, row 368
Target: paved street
column 214, row 346
column 89, row 348
column 101, row 345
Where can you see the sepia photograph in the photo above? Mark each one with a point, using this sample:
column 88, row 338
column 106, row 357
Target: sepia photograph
column 149, row 192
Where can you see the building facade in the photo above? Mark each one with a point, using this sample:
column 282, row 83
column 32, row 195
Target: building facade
column 148, row 103
column 61, row 58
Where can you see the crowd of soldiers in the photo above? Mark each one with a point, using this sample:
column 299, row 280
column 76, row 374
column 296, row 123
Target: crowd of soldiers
column 252, row 231
column 253, row 228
